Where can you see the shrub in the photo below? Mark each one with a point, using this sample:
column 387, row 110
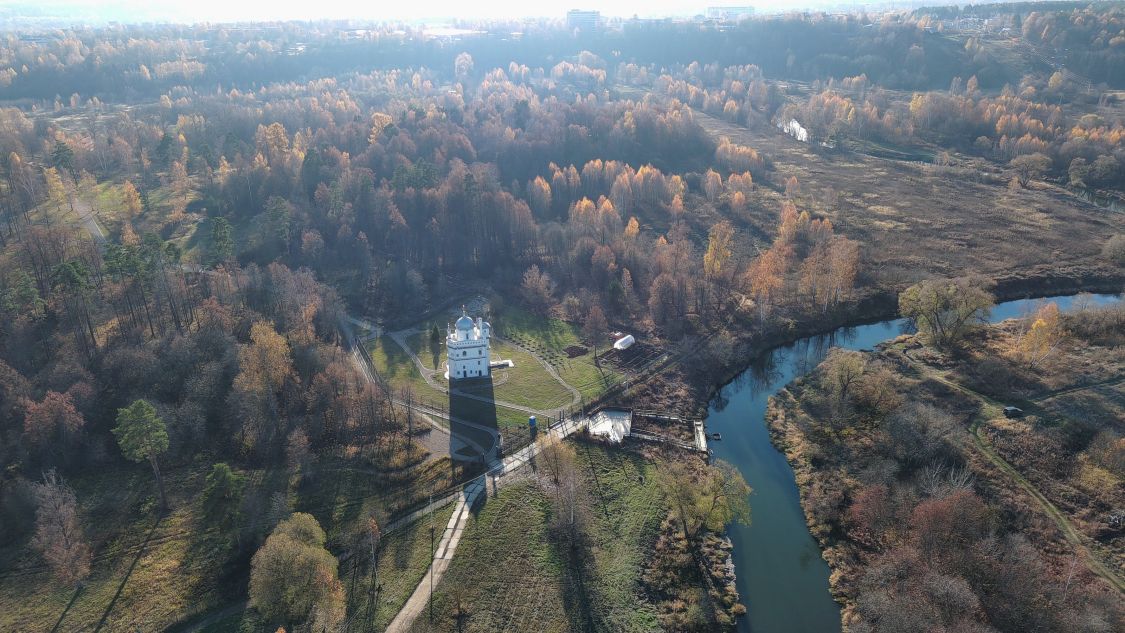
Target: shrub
column 1114, row 249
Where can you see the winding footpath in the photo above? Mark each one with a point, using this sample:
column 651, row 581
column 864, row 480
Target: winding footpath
column 990, row 408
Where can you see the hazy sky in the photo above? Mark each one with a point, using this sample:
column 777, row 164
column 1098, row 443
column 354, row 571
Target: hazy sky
column 231, row 10
column 302, row 9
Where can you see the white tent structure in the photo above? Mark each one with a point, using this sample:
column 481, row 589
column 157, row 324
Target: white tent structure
column 612, row 423
column 625, row 342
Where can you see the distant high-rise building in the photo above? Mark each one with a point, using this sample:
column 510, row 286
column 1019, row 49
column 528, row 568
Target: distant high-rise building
column 583, row 20
column 729, row 14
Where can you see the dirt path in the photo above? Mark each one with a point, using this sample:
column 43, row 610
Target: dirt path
column 87, row 218
column 1062, row 392
column 991, row 408
column 500, row 475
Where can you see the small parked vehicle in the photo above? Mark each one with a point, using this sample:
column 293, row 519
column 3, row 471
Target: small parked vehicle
column 1013, row 412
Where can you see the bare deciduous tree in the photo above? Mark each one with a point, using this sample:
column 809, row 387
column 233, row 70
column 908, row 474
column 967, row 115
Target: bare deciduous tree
column 58, row 535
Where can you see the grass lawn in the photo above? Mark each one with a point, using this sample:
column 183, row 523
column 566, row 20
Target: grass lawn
column 509, row 575
column 403, row 560
column 183, row 568
column 527, row 384
column 341, row 495
column 549, row 338
column 396, row 367
column 511, row 423
column 431, row 355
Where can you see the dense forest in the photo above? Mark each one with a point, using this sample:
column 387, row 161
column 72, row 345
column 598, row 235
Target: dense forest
column 191, row 212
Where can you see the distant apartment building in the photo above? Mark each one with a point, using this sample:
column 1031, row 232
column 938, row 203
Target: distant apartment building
column 729, row 14
column 583, row 20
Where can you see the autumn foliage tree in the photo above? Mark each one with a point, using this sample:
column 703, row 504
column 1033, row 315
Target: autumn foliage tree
column 1041, row 335
column 764, row 278
column 596, row 326
column 538, row 289
column 58, row 534
column 945, row 310
column 717, row 265
column 1029, row 167
column 265, row 366
column 293, row 578
column 132, row 199
column 706, row 499
column 54, row 422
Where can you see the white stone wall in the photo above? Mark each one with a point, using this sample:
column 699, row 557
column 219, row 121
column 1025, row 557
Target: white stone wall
column 467, row 350
column 468, row 359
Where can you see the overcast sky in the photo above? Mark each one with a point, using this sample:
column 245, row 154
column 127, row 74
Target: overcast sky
column 239, row 10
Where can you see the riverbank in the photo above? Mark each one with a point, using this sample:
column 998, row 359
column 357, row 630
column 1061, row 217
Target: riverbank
column 736, row 417
column 674, row 386
column 598, row 549
column 865, row 498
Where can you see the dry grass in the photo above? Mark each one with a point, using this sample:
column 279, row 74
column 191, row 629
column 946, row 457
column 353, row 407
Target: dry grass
column 509, row 576
column 919, row 221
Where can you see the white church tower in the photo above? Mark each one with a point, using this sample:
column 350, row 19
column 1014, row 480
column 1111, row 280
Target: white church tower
column 466, row 345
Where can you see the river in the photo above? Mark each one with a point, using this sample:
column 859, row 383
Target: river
column 782, row 577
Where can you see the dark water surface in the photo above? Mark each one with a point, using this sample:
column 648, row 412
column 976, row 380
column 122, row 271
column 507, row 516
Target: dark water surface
column 782, row 577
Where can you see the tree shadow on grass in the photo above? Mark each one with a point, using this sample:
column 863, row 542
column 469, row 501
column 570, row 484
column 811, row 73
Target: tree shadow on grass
column 132, row 566
column 577, row 576
column 574, row 550
column 73, row 599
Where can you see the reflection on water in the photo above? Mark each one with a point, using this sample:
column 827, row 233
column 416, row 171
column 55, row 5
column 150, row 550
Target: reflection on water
column 781, row 576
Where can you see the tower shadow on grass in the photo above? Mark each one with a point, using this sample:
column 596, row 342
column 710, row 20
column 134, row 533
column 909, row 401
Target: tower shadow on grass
column 474, row 434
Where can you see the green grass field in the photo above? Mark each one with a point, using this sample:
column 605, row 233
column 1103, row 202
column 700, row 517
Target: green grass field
column 549, row 338
column 178, row 573
column 527, row 384
column 508, row 574
column 396, row 367
column 148, row 578
column 431, row 354
column 403, row 560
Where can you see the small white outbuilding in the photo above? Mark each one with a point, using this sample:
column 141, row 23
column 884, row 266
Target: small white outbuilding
column 625, row 342
column 796, row 130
